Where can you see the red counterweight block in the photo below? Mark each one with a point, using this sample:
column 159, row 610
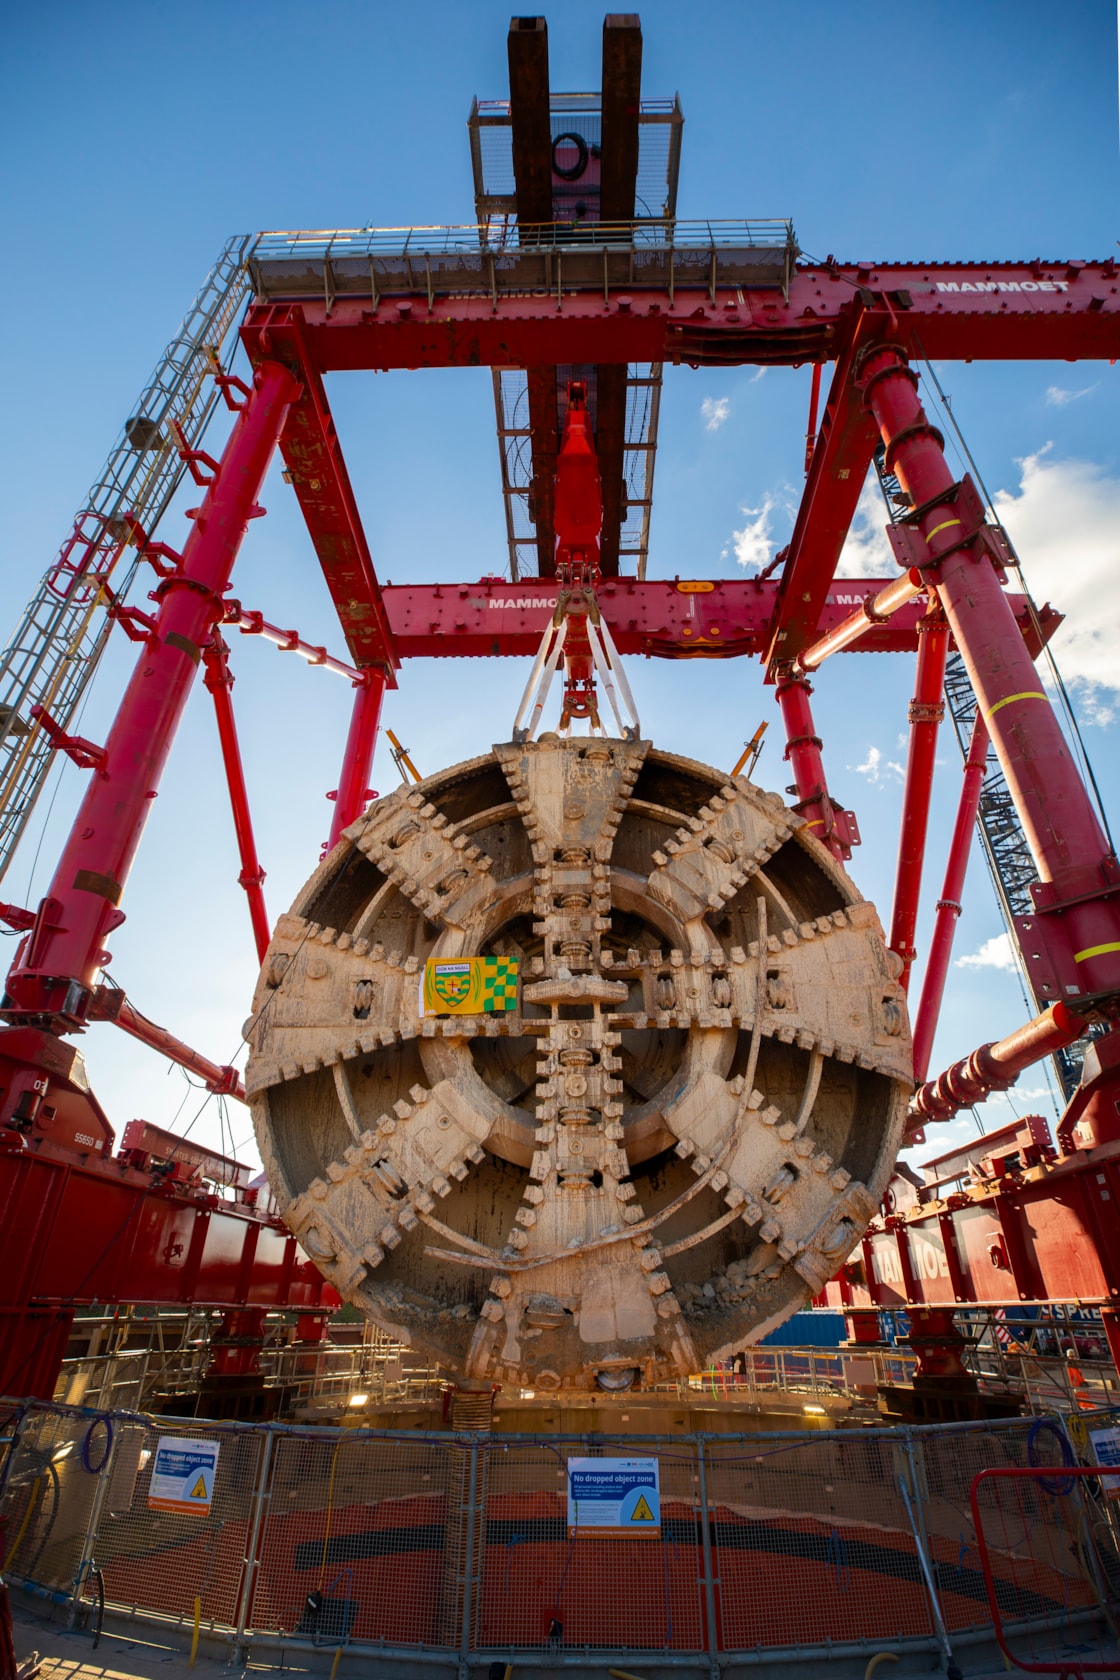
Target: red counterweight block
column 1078, row 896
column 57, row 965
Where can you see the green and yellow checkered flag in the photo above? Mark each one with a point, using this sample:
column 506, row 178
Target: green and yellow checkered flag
column 470, row 986
column 499, row 983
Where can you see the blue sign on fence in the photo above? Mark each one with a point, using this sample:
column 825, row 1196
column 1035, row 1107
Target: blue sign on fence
column 614, row 1496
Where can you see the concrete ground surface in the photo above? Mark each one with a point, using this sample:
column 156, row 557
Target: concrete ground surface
column 68, row 1654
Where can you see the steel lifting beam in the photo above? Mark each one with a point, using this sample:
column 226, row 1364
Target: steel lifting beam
column 531, row 126
column 58, row 964
column 527, row 53
column 618, row 178
column 691, row 618
column 1078, row 894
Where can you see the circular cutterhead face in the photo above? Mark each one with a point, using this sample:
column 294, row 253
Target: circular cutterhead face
column 578, row 1065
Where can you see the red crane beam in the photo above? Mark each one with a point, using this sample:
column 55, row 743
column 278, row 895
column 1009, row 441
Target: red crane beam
column 1053, row 311
column 313, row 457
column 838, row 466
column 57, row 966
column 76, row 1230
column 926, row 711
column 1078, row 894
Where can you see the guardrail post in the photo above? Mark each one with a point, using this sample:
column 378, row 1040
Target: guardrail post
column 709, row 1569
column 468, row 1556
column 912, row 1499
column 12, row 1443
column 252, row 1545
column 104, row 1471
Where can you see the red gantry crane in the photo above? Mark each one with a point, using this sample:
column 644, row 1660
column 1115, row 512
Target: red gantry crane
column 576, row 285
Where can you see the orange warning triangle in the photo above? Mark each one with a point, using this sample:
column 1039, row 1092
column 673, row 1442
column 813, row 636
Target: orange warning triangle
column 642, row 1512
column 199, row 1489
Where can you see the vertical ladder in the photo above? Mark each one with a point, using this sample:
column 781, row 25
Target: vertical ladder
column 57, row 646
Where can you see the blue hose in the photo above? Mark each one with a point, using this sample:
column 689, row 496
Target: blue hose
column 86, row 1456
column 1062, row 1485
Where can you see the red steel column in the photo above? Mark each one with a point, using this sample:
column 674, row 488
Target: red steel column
column 219, row 680
column 57, row 965
column 353, row 791
column 1079, row 876
column 926, row 711
column 949, row 904
column 803, row 751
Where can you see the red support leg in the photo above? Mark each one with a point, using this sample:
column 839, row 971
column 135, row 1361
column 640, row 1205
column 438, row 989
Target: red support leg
column 219, row 680
column 57, row 966
column 353, row 792
column 803, row 751
column 926, row 711
column 1078, row 897
column 949, row 904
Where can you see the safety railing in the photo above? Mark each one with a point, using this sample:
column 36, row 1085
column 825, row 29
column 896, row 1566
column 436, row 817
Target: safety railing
column 324, row 1376
column 788, row 1547
column 449, row 239
column 1046, row 1536
column 505, row 258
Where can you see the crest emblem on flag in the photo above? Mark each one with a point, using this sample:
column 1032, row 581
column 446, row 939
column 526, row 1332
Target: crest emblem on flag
column 452, row 982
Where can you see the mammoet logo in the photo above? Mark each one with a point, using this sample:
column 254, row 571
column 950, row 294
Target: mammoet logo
column 521, row 603
column 1003, row 286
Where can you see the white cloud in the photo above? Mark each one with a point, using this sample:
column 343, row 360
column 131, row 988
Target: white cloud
column 866, row 551
column 1064, row 520
column 714, row 411
column 994, row 953
column 876, row 770
column 752, row 544
column 757, row 375
column 1059, row 396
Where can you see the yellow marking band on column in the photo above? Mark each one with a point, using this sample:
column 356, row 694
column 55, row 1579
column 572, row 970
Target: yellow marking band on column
column 1096, row 951
column 818, row 822
column 1027, row 694
column 944, row 526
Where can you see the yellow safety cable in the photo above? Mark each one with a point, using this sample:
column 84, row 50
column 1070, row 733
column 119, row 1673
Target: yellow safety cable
column 330, row 1506
column 35, row 1486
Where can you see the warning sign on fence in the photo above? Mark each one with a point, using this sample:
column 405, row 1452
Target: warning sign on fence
column 183, row 1475
column 614, row 1496
column 1106, row 1450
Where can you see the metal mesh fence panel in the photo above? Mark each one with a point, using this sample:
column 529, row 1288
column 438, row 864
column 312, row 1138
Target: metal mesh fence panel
column 358, row 1542
column 1050, row 1549
column 462, row 1542
column 946, row 1460
column 539, row 1586
column 49, row 1497
column 812, row 1541
column 159, row 1560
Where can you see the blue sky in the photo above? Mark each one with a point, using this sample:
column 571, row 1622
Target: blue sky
column 139, row 136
